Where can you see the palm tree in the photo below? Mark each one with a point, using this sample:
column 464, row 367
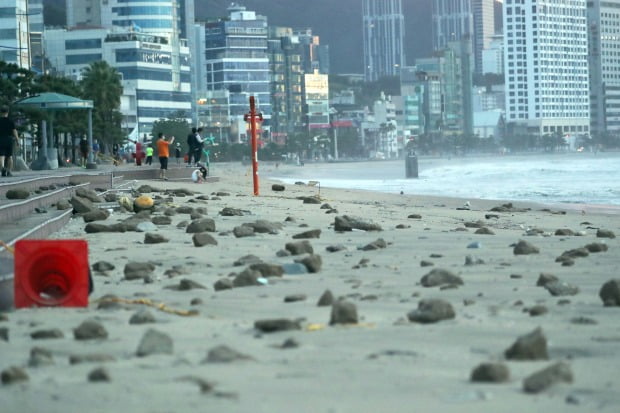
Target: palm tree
column 101, row 83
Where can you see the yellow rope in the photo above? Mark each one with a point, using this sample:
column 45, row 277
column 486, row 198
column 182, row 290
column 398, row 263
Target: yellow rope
column 145, row 301
column 7, row 247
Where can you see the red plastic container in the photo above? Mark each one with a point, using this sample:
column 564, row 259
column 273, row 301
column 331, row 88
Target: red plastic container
column 51, row 273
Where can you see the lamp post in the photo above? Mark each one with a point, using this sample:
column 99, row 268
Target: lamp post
column 334, row 114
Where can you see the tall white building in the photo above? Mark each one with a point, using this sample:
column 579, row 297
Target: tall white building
column 384, row 33
column 546, row 65
column 484, row 29
column 493, row 56
column 604, row 54
column 14, row 39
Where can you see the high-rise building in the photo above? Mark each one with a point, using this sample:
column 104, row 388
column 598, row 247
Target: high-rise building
column 314, row 55
column 454, row 20
column 14, row 38
column 384, row 33
column 237, row 61
column 604, row 65
column 546, row 65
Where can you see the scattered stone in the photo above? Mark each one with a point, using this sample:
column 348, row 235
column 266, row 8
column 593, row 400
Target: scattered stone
column 349, row 223
column 326, row 299
column 200, row 239
column 268, row 270
column 90, row 330
column 312, row 262
column 138, row 270
column 294, row 268
column 283, row 253
column 343, row 312
column 315, row 233
column 102, row 266
column 564, row 232
column 40, row 357
column 63, row 205
column 375, row 245
column 583, row 320
column 201, row 225
column 154, row 342
column 110, row 197
column 13, row 375
column 196, row 301
column 402, row 226
column 277, row 187
column 247, row 278
column 223, row 284
column 475, row 224
column 491, row 216
column 538, row 310
column 431, row 311
column 185, row 209
column 425, row 263
column 182, row 224
column 565, row 260
column 47, row 334
column 242, row 231
column 311, row 200
column 231, row 212
column 532, row 346
column 414, row 216
column 98, row 375
column 484, row 231
column 291, row 298
column 289, row 343
column 490, row 373
column 96, row 215
column 94, row 228
column 547, row 377
column 161, row 220
column 559, row 288
column 299, row 247
column 576, row 253
column 605, row 233
column 186, row 284
column 596, row 247
column 610, row 293
column 81, row 205
column 225, row 354
column 508, row 207
column 438, row 277
column 525, row 248
column 90, row 358
column 545, row 278
column 262, row 226
column 474, row 245
column 247, row 260
column 142, row 316
column 335, row 248
column 470, row 260
column 275, row 325
column 194, row 216
column 516, row 276
column 145, row 226
column 151, row 238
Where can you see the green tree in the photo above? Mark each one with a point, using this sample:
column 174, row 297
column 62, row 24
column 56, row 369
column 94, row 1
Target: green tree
column 101, row 83
column 175, row 125
column 15, row 83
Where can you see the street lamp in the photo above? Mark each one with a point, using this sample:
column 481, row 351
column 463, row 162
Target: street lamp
column 334, row 113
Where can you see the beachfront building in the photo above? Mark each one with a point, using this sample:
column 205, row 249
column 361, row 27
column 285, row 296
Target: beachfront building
column 14, row 39
column 546, row 66
column 144, row 62
column 384, row 33
column 604, row 65
column 387, row 144
column 493, row 56
column 236, row 60
column 314, row 55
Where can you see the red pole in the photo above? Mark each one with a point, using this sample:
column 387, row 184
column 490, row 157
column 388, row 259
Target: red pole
column 253, row 117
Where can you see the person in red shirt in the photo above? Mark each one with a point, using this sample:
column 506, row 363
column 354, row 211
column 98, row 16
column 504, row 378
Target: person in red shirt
column 163, row 151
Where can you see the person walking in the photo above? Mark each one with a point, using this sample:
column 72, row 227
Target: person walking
column 149, row 155
column 191, row 144
column 198, row 146
column 163, row 151
column 177, row 153
column 8, row 137
column 84, row 149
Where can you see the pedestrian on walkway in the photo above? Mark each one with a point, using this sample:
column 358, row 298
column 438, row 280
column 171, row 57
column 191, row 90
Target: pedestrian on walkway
column 191, row 144
column 84, row 149
column 149, row 155
column 8, row 138
column 163, row 151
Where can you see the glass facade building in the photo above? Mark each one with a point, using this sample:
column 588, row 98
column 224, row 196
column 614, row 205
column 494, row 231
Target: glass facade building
column 384, row 33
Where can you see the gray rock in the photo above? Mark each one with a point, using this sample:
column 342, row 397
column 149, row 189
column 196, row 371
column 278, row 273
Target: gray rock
column 596, row 247
column 299, row 247
column 98, row 375
column 425, row 263
column 268, row 270
column 201, row 239
column 605, row 233
column 196, row 215
column 564, row 232
column 610, row 293
column 138, row 270
column 438, row 277
column 289, row 343
column 294, row 268
column 375, row 245
column 262, row 226
column 185, row 210
column 225, row 354
column 532, row 346
column 169, row 212
column 81, row 205
column 310, row 200
column 247, row 278
column 94, row 228
column 525, row 248
column 231, row 212
column 17, row 193
column 186, row 284
column 581, row 320
column 223, row 284
column 161, row 220
column 89, row 194
column 313, row 233
column 275, row 325
column 154, row 342
column 242, row 231
column 96, row 215
column 102, row 266
column 291, row 298
column 277, row 187
column 63, row 205
column 40, row 357
column 559, row 288
column 545, row 278
column 349, row 223
column 414, row 216
column 576, row 253
column 142, row 316
column 431, row 311
column 547, row 377
column 110, row 197
column 90, row 358
column 343, row 312
column 201, row 225
column 484, row 231
column 146, row 189
column 47, row 334
column 538, row 310
column 247, row 260
column 13, row 375
column 151, row 238
column 490, row 373
column 90, row 330
column 145, row 226
column 326, row 299
column 313, row 262
column 283, row 253
column 335, row 248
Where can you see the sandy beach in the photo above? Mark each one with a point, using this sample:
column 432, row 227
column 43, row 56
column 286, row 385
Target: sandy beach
column 378, row 355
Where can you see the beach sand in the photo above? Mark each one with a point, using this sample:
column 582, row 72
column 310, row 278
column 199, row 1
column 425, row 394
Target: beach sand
column 382, row 363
